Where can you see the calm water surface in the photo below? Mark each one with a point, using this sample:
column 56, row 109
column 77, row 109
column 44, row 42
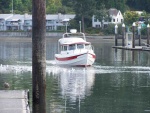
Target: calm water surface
column 118, row 82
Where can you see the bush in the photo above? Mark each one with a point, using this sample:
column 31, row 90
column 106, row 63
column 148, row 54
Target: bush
column 92, row 30
column 144, row 31
column 109, row 30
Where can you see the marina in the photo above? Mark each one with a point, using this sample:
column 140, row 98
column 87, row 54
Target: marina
column 117, row 82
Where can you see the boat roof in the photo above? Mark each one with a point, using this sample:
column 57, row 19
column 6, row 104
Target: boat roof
column 72, row 40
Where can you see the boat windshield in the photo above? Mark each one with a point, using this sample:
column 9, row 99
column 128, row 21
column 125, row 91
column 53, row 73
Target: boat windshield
column 72, row 47
column 80, row 46
column 87, row 46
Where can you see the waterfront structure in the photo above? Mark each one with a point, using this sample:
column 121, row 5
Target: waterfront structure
column 116, row 17
column 16, row 22
column 3, row 18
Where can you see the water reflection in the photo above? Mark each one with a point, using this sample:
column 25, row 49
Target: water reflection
column 118, row 82
column 76, row 83
column 133, row 57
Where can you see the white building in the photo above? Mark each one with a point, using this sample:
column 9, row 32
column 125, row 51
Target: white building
column 24, row 22
column 15, row 22
column 3, row 18
column 116, row 17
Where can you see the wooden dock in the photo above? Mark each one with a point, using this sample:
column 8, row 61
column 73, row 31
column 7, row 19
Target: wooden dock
column 139, row 48
column 14, row 101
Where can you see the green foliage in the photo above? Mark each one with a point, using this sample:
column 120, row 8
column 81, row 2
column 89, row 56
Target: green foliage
column 92, row 30
column 139, row 4
column 130, row 17
column 144, row 31
column 110, row 29
column 102, row 13
column 118, row 4
column 52, row 6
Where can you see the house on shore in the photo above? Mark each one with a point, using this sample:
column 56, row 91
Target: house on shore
column 116, row 17
column 3, row 18
column 16, row 22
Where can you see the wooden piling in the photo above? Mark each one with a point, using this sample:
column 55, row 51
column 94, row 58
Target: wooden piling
column 139, row 35
column 123, row 35
column 38, row 56
column 116, row 35
column 133, row 39
column 116, row 41
column 148, row 30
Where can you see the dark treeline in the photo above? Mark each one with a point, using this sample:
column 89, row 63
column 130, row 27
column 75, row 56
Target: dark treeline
column 68, row 6
column 139, row 5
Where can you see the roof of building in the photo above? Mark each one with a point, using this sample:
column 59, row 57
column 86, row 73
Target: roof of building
column 5, row 16
column 59, row 16
column 113, row 11
column 16, row 17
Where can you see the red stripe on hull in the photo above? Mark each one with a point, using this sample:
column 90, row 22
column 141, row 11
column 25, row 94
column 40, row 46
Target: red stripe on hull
column 72, row 57
column 68, row 58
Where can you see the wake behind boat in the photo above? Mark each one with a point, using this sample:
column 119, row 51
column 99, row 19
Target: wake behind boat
column 74, row 50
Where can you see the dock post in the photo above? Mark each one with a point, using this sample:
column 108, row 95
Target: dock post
column 38, row 56
column 139, row 35
column 133, row 39
column 116, row 35
column 148, row 30
column 123, row 34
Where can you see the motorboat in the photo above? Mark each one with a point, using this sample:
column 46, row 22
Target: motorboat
column 74, row 50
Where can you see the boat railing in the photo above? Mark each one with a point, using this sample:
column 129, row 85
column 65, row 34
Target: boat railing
column 65, row 35
column 92, row 47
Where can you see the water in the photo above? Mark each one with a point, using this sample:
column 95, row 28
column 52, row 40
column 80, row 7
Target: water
column 118, row 82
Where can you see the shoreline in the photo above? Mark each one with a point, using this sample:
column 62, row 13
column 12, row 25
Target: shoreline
column 29, row 39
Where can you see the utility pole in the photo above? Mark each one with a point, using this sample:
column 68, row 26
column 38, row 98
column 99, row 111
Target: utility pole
column 38, row 56
column 12, row 7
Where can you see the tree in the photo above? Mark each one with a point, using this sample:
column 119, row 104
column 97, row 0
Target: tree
column 118, row 4
column 102, row 14
column 5, row 6
column 130, row 17
column 53, row 6
column 84, row 9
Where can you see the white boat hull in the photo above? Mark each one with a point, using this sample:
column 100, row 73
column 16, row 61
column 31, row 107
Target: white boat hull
column 85, row 59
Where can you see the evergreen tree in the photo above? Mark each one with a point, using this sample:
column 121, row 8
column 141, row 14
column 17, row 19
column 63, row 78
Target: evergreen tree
column 5, row 6
column 84, row 9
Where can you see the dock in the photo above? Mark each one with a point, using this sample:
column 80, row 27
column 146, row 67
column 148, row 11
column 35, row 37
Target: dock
column 14, row 101
column 139, row 48
column 128, row 48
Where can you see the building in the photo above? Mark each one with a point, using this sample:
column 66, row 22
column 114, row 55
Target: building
column 116, row 17
column 3, row 18
column 15, row 22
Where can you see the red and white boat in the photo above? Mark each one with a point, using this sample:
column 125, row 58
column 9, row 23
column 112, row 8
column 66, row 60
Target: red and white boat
column 74, row 50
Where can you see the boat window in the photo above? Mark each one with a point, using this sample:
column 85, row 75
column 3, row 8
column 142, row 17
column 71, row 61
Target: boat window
column 87, row 46
column 64, row 48
column 80, row 46
column 72, row 47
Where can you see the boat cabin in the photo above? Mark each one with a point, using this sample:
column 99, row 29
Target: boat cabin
column 78, row 47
